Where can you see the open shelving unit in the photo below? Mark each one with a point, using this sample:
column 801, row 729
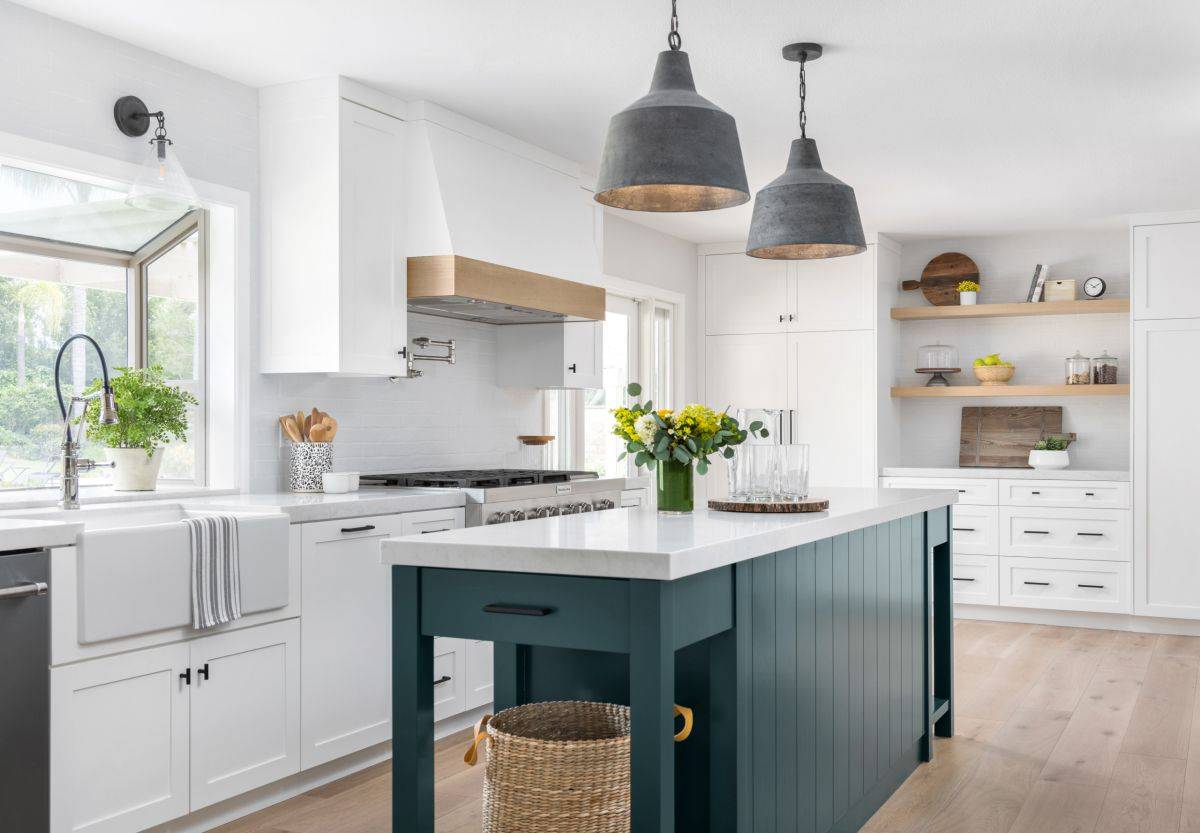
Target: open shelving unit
column 1099, row 306
column 1010, row 390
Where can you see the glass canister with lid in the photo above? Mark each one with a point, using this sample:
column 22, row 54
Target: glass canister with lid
column 1079, row 369
column 1104, row 370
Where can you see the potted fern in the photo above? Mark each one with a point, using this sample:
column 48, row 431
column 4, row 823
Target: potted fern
column 152, row 414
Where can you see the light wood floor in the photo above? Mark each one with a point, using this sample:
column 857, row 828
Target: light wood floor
column 1059, row 730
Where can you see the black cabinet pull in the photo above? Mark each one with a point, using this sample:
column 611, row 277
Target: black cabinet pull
column 962, row 491
column 186, row 676
column 571, row 367
column 1037, row 532
column 781, row 319
column 1091, row 586
column 427, row 531
column 1039, row 583
column 1035, row 493
column 1089, row 494
column 441, row 680
column 1091, row 534
column 964, row 529
column 363, row 528
column 956, row 578
column 517, row 610
column 202, row 671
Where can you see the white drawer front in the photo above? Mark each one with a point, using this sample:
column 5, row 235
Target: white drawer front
column 1065, row 533
column 1065, row 493
column 431, row 520
column 975, row 530
column 974, row 492
column 976, row 579
column 1062, row 584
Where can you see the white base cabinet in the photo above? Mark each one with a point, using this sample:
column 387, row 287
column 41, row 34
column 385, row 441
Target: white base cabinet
column 141, row 738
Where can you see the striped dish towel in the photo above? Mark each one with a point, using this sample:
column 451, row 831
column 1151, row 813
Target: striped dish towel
column 216, row 570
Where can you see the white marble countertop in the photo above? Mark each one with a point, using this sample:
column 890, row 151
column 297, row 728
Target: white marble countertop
column 25, row 534
column 642, row 543
column 1007, row 474
column 304, row 508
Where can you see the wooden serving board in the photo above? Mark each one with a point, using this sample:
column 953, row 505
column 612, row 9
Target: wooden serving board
column 941, row 276
column 811, row 505
column 1002, row 437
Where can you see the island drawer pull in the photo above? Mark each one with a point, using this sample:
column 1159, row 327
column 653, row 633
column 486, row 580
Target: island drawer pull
column 964, row 529
column 1039, row 583
column 1037, row 532
column 445, row 679
column 363, row 528
column 25, row 590
column 517, row 610
column 1091, row 534
column 1091, row 586
column 957, row 578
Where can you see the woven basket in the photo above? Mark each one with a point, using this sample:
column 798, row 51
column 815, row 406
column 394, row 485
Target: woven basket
column 558, row 767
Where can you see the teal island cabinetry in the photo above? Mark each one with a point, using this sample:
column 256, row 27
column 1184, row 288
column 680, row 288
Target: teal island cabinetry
column 815, row 650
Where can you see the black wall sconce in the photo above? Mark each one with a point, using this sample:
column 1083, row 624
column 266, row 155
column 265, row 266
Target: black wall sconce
column 161, row 184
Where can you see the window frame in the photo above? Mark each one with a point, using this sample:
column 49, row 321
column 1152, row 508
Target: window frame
column 136, row 265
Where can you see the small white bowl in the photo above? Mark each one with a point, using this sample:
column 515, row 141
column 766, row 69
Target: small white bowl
column 339, row 482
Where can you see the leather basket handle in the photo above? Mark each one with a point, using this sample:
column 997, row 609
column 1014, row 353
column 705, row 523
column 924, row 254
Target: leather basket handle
column 688, row 723
column 480, row 736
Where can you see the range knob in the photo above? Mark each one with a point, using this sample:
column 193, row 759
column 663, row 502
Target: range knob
column 583, row 507
column 498, row 518
column 604, row 503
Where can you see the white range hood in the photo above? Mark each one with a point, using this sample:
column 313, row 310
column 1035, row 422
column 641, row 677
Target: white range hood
column 498, row 230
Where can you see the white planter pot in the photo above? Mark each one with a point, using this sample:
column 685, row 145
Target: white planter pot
column 968, row 298
column 134, row 470
column 1049, row 459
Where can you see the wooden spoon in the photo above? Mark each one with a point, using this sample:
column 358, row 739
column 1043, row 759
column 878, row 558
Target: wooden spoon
column 318, row 434
column 300, row 426
column 331, row 428
column 288, row 424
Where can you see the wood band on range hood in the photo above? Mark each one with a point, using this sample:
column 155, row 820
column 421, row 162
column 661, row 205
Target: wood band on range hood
column 440, row 276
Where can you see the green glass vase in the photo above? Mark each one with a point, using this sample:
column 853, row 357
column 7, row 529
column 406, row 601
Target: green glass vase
column 674, row 486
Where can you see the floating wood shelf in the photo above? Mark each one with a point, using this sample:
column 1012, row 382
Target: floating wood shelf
column 1096, row 307
column 1013, row 390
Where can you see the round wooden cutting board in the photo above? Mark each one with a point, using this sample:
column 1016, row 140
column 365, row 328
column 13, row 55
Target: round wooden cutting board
column 811, row 505
column 941, row 276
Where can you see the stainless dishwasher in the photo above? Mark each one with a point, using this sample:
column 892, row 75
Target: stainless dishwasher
column 25, row 690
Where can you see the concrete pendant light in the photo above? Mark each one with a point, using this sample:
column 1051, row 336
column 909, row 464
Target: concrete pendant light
column 672, row 149
column 805, row 213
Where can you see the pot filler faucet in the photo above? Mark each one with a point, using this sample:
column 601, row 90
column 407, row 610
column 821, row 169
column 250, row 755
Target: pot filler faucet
column 71, row 464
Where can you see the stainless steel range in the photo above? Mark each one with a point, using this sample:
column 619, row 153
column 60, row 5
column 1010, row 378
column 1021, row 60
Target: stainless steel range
column 504, row 495
column 507, row 495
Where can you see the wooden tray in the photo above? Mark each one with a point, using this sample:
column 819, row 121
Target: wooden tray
column 790, row 506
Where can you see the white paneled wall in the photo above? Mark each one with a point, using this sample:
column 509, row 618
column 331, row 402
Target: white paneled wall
column 1037, row 346
column 453, row 416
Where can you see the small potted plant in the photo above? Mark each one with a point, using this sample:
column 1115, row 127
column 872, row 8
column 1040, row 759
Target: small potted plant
column 671, row 441
column 152, row 414
column 968, row 293
column 1050, row 453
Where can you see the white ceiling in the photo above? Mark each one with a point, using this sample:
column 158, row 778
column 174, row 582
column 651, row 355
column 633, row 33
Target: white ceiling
column 947, row 116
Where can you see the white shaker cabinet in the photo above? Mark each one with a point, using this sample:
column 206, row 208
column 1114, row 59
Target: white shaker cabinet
column 119, row 742
column 831, row 379
column 567, row 355
column 833, row 294
column 745, row 295
column 334, row 261
column 1166, row 270
column 245, row 710
column 746, row 371
column 1165, row 463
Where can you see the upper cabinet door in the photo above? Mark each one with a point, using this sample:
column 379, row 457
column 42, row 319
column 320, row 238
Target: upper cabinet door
column 245, row 710
column 745, row 295
column 374, row 286
column 583, row 354
column 833, row 294
column 1166, row 271
column 747, row 371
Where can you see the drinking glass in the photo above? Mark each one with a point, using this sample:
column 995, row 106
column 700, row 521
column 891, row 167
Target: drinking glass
column 736, row 468
column 793, row 475
column 763, row 471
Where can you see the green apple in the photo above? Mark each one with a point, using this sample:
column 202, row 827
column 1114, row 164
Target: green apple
column 979, row 362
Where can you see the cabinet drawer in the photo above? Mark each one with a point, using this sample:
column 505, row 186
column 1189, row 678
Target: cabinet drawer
column 975, row 530
column 449, row 678
column 375, row 526
column 1065, row 494
column 1065, row 533
column 555, row 611
column 433, row 520
column 970, row 491
column 976, row 579
column 1062, row 584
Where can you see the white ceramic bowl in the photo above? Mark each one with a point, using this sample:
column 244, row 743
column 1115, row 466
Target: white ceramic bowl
column 339, row 482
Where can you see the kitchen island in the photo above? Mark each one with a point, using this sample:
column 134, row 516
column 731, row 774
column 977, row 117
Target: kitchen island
column 815, row 650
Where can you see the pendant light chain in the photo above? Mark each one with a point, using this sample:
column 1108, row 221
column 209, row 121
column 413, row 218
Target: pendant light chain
column 803, row 95
column 674, row 40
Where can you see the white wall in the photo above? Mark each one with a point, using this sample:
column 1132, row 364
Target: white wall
column 637, row 253
column 1038, row 346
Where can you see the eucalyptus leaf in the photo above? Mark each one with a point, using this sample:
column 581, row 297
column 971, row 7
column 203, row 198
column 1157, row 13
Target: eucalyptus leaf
column 681, row 455
column 764, row 433
column 727, row 452
column 663, row 441
column 634, row 389
column 622, row 456
column 756, row 425
column 702, row 466
column 691, row 445
column 641, row 459
column 647, row 406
